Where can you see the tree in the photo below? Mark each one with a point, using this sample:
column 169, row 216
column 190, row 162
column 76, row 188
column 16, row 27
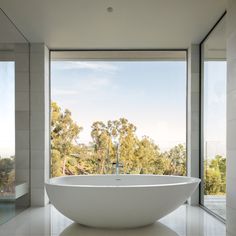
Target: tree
column 212, row 181
column 149, row 160
column 64, row 134
column 215, row 175
column 103, row 146
column 219, row 164
column 124, row 132
column 111, row 139
column 106, row 137
column 56, row 163
column 7, row 175
column 175, row 160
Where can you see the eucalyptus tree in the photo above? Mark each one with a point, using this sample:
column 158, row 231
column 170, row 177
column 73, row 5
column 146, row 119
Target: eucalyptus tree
column 64, row 134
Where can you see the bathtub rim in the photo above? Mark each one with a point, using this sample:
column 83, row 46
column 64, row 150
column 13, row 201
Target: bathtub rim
column 193, row 180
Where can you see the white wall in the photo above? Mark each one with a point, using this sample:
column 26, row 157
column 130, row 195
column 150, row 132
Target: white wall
column 231, row 117
column 39, row 120
column 193, row 122
column 22, row 118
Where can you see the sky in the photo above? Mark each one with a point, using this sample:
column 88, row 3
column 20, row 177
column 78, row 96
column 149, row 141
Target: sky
column 7, row 109
column 215, row 108
column 150, row 94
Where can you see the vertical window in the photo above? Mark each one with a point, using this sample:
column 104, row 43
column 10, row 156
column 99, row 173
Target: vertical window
column 127, row 106
column 214, row 121
column 7, row 138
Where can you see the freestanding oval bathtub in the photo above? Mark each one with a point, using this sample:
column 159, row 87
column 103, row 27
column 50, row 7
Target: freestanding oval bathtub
column 119, row 201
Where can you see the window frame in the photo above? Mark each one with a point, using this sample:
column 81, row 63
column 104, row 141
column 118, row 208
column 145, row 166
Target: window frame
column 123, row 55
column 201, row 115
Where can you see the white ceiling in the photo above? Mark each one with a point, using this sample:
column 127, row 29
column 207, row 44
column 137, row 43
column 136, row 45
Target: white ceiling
column 84, row 24
column 8, row 32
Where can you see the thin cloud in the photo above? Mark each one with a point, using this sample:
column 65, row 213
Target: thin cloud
column 86, row 65
column 84, row 84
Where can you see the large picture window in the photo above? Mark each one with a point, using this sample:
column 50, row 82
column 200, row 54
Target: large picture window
column 126, row 105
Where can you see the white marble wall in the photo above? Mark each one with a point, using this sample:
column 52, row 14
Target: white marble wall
column 193, row 121
column 39, row 107
column 231, row 117
column 22, row 116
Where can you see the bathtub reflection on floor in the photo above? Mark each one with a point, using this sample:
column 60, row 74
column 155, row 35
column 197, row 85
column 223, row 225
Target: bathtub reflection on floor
column 47, row 221
column 152, row 230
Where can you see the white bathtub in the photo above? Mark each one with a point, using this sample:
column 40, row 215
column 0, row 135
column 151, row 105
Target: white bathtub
column 119, row 201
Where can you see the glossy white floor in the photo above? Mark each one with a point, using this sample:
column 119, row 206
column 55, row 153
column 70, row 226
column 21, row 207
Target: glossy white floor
column 46, row 221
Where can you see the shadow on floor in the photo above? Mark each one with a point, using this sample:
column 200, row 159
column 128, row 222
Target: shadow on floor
column 151, row 230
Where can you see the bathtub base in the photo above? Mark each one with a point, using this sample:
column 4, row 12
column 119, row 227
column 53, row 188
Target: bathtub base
column 124, row 201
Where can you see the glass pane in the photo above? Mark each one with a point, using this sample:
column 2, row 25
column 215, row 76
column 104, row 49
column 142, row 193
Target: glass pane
column 7, row 140
column 215, row 121
column 126, row 113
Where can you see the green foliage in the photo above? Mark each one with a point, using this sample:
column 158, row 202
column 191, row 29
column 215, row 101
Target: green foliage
column 148, row 157
column 64, row 133
column 56, row 163
column 7, row 175
column 212, row 182
column 215, row 176
column 105, row 150
column 175, row 159
column 138, row 156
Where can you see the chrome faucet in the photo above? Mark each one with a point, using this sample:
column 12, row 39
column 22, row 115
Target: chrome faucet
column 117, row 163
column 117, row 159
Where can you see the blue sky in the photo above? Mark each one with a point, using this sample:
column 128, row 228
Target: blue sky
column 215, row 107
column 7, row 109
column 151, row 95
